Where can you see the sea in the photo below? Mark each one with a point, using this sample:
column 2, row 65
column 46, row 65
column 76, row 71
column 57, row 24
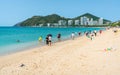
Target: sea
column 14, row 39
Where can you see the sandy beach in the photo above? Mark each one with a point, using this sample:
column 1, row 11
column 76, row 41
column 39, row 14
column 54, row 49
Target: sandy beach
column 82, row 56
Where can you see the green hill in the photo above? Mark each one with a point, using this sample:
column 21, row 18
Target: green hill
column 36, row 20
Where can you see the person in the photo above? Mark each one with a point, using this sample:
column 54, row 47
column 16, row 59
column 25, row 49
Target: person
column 91, row 36
column 59, row 36
column 40, row 38
column 72, row 35
column 49, row 40
column 18, row 41
column 95, row 32
column 100, row 31
column 79, row 33
column 87, row 33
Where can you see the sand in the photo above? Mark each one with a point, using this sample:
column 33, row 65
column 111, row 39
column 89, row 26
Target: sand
column 82, row 56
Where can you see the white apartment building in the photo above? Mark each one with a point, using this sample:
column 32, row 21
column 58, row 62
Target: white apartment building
column 70, row 22
column 77, row 22
column 100, row 21
column 84, row 21
column 95, row 22
column 81, row 21
column 91, row 21
column 62, row 22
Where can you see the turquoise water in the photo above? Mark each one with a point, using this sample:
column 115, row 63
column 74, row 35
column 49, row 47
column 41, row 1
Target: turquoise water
column 28, row 36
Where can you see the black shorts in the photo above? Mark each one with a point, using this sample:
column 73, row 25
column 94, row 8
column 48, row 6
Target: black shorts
column 50, row 41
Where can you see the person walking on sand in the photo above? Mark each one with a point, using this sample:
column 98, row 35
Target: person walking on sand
column 87, row 33
column 72, row 35
column 100, row 31
column 79, row 33
column 91, row 36
column 50, row 40
column 47, row 39
column 95, row 32
column 59, row 37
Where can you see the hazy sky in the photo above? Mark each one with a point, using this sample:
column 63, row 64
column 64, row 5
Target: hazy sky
column 14, row 11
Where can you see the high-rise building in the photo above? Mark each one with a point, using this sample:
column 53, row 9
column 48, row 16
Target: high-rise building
column 62, row 22
column 85, row 20
column 91, row 21
column 77, row 22
column 88, row 21
column 81, row 21
column 70, row 22
column 95, row 22
column 100, row 21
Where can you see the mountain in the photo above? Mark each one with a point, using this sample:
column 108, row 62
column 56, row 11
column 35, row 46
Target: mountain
column 53, row 18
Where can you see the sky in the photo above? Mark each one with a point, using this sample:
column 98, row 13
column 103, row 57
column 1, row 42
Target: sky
column 15, row 11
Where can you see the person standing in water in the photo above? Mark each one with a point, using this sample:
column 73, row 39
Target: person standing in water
column 50, row 40
column 40, row 39
column 47, row 39
column 72, row 35
column 79, row 33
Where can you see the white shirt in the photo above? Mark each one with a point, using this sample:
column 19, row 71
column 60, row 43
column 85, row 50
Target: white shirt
column 50, row 38
column 73, row 35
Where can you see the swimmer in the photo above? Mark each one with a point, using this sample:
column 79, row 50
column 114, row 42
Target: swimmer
column 18, row 41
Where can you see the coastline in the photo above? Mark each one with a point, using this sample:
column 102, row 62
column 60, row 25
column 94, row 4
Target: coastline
column 69, row 57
